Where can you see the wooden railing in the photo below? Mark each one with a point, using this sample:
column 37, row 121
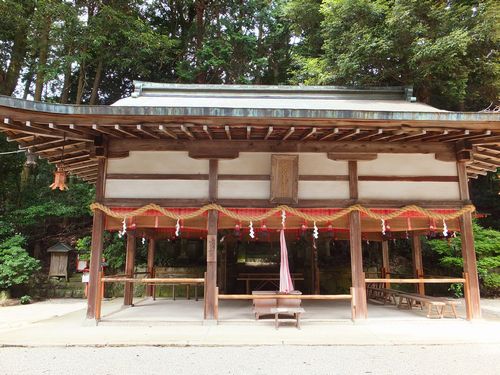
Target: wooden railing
column 144, row 280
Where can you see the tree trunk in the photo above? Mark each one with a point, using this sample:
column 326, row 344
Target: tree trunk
column 81, row 83
column 42, row 60
column 18, row 52
column 97, row 81
column 200, row 31
column 66, row 83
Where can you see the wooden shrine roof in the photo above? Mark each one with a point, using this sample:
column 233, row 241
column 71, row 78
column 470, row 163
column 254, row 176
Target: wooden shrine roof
column 284, row 114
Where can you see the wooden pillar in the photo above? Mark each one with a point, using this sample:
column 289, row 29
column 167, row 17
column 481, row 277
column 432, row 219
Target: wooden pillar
column 93, row 294
column 473, row 303
column 418, row 265
column 358, row 277
column 128, row 295
column 385, row 262
column 211, row 275
column 151, row 265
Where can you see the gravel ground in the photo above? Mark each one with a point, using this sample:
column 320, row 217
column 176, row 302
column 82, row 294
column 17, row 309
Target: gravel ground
column 407, row 359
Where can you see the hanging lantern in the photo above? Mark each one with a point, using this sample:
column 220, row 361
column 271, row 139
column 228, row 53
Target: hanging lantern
column 237, row 230
column 59, row 179
column 330, row 230
column 30, row 158
column 60, row 173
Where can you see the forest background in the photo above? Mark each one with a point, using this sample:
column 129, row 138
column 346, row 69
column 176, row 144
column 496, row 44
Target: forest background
column 89, row 52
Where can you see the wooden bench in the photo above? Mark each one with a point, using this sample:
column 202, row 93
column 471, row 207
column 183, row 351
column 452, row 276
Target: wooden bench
column 383, row 294
column 409, row 300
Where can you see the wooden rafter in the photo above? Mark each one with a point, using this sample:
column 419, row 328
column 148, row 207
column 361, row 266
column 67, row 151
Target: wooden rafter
column 308, row 134
column 186, row 131
column 163, row 129
column 368, row 135
column 124, row 131
column 228, row 131
column 207, row 132
column 146, row 131
column 288, row 133
column 348, row 134
column 106, row 130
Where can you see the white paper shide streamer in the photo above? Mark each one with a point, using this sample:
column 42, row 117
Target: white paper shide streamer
column 315, row 231
column 445, row 228
column 251, row 233
column 383, row 226
column 283, row 218
column 122, row 232
column 177, row 228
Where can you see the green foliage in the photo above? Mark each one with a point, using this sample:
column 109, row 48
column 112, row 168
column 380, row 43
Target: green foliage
column 25, row 300
column 16, row 266
column 447, row 52
column 487, row 244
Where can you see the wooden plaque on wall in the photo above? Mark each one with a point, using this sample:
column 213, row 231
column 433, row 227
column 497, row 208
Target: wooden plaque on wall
column 284, row 178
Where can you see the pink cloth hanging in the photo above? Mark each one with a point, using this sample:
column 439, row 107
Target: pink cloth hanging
column 286, row 285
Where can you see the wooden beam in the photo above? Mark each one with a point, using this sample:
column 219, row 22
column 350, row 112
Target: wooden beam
column 97, row 245
column 19, row 137
column 211, row 275
column 151, row 264
column 358, row 278
column 119, row 146
column 56, row 146
column 418, row 265
column 213, row 179
column 303, row 203
column 386, row 265
column 350, row 156
column 128, row 294
column 410, row 178
column 353, row 179
column 468, row 252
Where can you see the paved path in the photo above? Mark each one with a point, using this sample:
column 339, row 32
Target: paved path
column 410, row 359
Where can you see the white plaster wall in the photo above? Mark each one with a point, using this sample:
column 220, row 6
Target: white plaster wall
column 162, row 162
column 408, row 190
column 260, row 163
column 247, row 163
column 181, row 189
column 319, row 164
column 406, row 165
column 235, row 189
column 323, row 189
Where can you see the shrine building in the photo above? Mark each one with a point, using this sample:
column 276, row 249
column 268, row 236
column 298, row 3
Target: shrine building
column 222, row 163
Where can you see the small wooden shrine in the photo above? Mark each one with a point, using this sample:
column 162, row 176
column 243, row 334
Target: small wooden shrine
column 192, row 160
column 59, row 260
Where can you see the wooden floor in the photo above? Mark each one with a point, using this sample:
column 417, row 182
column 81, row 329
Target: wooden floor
column 180, row 310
